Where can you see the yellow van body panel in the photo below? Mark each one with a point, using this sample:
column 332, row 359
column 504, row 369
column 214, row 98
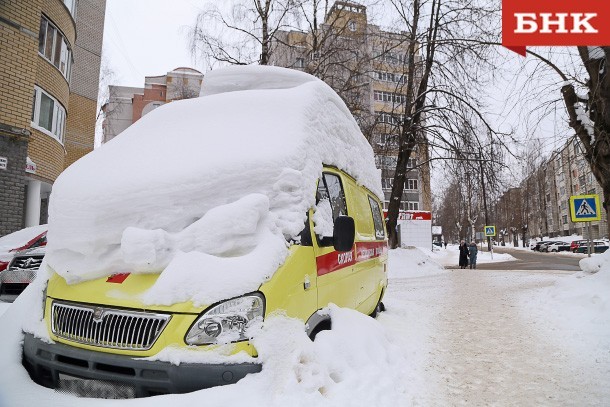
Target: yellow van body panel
column 293, row 289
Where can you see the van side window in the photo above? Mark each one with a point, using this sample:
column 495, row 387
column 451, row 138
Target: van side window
column 377, row 219
column 330, row 203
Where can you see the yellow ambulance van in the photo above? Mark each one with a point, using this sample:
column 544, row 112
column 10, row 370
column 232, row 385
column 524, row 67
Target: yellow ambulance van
column 131, row 253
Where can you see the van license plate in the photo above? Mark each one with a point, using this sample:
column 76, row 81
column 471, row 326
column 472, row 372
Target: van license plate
column 95, row 388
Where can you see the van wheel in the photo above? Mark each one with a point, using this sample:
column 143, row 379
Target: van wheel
column 379, row 308
column 322, row 326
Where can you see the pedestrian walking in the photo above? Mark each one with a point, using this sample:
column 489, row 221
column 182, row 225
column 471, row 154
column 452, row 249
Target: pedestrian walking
column 445, row 242
column 463, row 255
column 472, row 253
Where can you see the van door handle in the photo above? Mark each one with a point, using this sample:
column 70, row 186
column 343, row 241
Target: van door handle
column 306, row 283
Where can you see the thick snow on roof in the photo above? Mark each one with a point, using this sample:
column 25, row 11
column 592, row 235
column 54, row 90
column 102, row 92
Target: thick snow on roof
column 251, row 149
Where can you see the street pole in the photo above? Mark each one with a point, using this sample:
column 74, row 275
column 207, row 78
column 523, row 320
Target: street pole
column 484, row 197
column 589, row 242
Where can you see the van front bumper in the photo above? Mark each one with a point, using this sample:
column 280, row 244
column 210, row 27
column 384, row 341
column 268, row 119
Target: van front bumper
column 50, row 364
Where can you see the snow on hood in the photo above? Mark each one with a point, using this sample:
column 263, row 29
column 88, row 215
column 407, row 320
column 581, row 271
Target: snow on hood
column 215, row 175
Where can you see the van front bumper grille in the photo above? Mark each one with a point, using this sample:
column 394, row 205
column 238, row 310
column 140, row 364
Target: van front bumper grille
column 107, row 327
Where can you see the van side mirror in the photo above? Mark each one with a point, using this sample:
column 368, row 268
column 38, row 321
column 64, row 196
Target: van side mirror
column 344, row 233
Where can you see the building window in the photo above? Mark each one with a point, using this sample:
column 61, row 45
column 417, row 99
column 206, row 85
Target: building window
column 565, row 219
column 48, row 115
column 300, row 63
column 384, row 161
column 390, row 118
column 381, row 96
column 411, row 184
column 389, row 77
column 413, row 206
column 52, row 45
column 386, row 139
column 351, row 25
column 411, row 163
column 386, row 183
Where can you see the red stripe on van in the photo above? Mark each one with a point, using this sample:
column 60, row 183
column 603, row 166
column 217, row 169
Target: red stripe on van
column 362, row 251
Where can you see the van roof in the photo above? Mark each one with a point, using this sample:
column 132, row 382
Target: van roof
column 257, row 130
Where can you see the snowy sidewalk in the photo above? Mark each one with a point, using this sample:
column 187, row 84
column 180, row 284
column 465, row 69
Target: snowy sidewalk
column 482, row 346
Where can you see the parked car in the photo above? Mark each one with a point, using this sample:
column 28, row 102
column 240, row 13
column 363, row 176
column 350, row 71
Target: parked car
column 575, row 243
column 536, row 245
column 544, row 247
column 20, row 240
column 20, row 273
column 558, row 247
column 599, row 246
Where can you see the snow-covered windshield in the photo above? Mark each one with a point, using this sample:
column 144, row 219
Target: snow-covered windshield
column 209, row 180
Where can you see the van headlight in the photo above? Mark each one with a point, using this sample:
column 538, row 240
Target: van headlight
column 227, row 321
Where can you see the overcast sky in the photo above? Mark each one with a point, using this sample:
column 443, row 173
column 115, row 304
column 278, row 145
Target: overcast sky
column 147, row 38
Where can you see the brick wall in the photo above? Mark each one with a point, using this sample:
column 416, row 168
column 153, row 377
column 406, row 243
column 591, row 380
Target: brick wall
column 48, row 154
column 80, row 128
column 80, row 123
column 88, row 49
column 12, row 184
column 18, row 58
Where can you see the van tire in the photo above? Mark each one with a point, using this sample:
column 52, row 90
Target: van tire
column 379, row 308
column 322, row 326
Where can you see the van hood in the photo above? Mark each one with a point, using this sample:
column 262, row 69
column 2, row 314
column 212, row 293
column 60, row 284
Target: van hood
column 206, row 189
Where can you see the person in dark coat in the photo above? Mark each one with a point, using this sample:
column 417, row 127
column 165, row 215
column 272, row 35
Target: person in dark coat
column 463, row 255
column 472, row 253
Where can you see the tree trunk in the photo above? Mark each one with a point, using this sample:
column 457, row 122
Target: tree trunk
column 596, row 140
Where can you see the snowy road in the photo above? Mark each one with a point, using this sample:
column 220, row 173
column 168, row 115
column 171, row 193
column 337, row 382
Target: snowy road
column 482, row 346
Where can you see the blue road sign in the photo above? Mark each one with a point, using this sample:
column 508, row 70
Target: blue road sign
column 490, row 230
column 584, row 208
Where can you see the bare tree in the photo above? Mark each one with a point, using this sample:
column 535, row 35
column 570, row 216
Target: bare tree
column 443, row 81
column 239, row 33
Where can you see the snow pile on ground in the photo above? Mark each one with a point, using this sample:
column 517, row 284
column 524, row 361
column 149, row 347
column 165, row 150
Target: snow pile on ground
column 354, row 364
column 596, row 263
column 18, row 239
column 579, row 305
column 206, row 184
column 412, row 262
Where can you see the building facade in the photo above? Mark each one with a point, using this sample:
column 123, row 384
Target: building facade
column 50, row 52
column 366, row 66
column 540, row 205
column 126, row 105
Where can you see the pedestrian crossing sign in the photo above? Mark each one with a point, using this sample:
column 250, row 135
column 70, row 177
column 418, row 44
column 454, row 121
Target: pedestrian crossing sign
column 585, row 208
column 490, row 230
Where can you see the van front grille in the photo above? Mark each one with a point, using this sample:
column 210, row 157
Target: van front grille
column 107, row 327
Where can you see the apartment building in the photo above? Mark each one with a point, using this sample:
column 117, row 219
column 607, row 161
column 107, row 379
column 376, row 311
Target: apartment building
column 573, row 176
column 50, row 53
column 540, row 205
column 126, row 105
column 366, row 66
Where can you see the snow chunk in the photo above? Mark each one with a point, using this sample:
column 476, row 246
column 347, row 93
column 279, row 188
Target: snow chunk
column 586, row 121
column 203, row 189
